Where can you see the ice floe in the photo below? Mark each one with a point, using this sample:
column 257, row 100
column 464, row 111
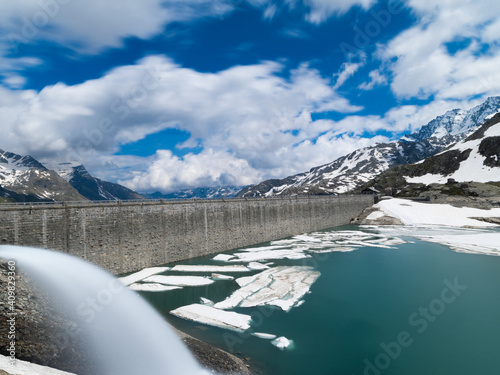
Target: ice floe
column 258, row 266
column 223, row 257
column 282, row 286
column 152, row 287
column 142, row 274
column 282, row 342
column 201, row 268
column 248, row 256
column 265, row 336
column 214, row 317
column 218, row 276
column 180, row 280
column 206, row 301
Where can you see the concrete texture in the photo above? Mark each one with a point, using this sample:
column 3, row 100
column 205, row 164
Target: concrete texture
column 127, row 236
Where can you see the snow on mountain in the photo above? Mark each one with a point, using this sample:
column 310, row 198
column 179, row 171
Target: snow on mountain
column 23, row 178
column 89, row 186
column 476, row 158
column 361, row 166
column 458, row 121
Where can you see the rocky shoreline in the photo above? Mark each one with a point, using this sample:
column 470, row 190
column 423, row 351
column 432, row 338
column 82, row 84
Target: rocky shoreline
column 51, row 338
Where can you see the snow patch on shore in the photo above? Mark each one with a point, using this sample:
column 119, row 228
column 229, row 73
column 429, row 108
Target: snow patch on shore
column 27, row 368
column 416, row 213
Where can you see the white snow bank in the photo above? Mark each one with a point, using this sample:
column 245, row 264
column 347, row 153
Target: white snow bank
column 214, row 317
column 416, row 213
column 180, row 280
column 282, row 342
column 141, row 275
column 375, row 215
column 279, row 286
column 196, row 268
column 152, row 287
column 27, row 368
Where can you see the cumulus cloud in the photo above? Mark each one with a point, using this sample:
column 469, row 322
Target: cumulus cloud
column 424, row 65
column 249, row 116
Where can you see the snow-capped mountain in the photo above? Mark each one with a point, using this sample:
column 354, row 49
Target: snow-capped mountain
column 201, row 193
column 89, row 186
column 477, row 158
column 23, row 178
column 353, row 170
column 457, row 121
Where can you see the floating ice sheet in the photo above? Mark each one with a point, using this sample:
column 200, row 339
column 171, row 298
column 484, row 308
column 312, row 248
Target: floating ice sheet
column 282, row 342
column 279, row 286
column 248, row 256
column 180, row 280
column 206, row 301
column 141, row 275
column 218, row 276
column 201, row 268
column 152, row 287
column 265, row 336
column 214, row 317
column 223, row 257
column 257, row 266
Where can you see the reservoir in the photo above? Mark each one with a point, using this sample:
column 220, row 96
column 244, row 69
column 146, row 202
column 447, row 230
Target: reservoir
column 398, row 307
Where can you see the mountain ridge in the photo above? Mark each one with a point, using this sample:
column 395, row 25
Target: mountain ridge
column 360, row 166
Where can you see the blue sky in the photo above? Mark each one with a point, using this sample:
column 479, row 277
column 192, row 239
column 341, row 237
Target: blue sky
column 166, row 95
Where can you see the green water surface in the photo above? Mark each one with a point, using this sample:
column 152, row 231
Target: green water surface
column 418, row 309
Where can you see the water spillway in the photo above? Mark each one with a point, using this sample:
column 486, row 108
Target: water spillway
column 127, row 236
column 123, row 333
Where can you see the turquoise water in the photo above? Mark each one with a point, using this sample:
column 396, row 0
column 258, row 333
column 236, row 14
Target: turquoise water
column 418, row 309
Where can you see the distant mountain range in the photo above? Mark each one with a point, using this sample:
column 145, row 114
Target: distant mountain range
column 361, row 166
column 24, row 179
column 426, row 156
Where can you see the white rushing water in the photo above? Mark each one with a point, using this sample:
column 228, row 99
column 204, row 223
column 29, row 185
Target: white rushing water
column 127, row 336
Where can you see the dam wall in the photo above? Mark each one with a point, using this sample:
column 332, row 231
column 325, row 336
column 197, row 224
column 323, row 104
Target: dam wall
column 127, row 236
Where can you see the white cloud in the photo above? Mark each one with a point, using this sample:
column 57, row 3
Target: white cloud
column 321, row 10
column 376, row 79
column 93, row 25
column 347, row 70
column 249, row 115
column 425, row 67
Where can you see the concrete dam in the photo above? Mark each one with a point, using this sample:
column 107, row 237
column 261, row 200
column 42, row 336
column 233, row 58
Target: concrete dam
column 127, row 236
